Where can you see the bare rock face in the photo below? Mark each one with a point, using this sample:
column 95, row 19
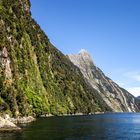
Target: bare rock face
column 117, row 98
column 5, row 63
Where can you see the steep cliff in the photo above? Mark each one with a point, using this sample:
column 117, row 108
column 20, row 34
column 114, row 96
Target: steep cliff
column 117, row 98
column 35, row 77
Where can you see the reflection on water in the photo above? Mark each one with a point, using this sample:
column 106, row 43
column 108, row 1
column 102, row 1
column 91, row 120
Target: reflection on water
column 93, row 127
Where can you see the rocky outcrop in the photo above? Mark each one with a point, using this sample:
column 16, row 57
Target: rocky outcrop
column 8, row 126
column 117, row 98
column 21, row 120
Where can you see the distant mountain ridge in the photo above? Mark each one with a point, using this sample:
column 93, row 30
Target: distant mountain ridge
column 117, row 98
column 138, row 97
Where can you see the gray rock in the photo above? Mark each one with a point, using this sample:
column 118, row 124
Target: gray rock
column 19, row 120
column 8, row 126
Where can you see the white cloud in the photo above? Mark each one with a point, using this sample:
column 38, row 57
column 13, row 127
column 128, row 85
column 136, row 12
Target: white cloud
column 120, row 83
column 135, row 75
column 134, row 91
column 129, row 80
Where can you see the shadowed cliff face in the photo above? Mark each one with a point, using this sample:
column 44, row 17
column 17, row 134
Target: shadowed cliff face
column 118, row 99
column 35, row 77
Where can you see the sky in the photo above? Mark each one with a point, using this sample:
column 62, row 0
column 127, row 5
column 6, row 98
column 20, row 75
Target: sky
column 108, row 29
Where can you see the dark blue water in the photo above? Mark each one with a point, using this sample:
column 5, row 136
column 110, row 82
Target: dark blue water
column 92, row 127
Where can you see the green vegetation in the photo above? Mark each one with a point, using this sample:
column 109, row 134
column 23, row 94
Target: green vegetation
column 41, row 80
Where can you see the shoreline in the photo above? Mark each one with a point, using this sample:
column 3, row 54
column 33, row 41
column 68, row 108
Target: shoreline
column 10, row 125
column 82, row 114
column 76, row 114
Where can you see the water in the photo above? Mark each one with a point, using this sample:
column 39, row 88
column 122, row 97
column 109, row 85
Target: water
column 92, row 127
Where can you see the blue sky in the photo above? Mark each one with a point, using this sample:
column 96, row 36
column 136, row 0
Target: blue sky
column 108, row 29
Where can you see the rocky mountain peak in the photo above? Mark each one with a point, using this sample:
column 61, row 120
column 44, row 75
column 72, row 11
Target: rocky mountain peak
column 82, row 59
column 118, row 99
column 85, row 54
column 83, row 51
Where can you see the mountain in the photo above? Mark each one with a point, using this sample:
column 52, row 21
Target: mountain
column 138, row 97
column 35, row 77
column 117, row 98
